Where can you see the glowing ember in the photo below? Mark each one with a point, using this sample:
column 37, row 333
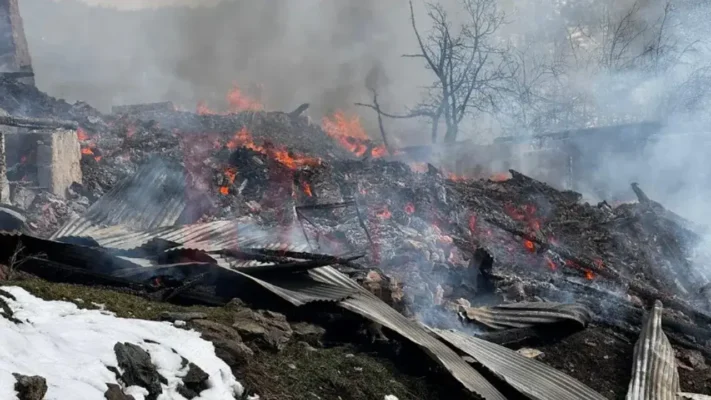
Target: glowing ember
column 454, row 177
column 231, row 174
column 472, row 223
column 307, row 188
column 550, row 263
column 348, row 131
column 238, row 101
column 500, row 177
column 529, row 245
column 224, row 190
column 87, row 151
column 81, row 135
column 379, row 151
column 243, row 138
column 589, row 274
column 409, row 208
column 384, row 213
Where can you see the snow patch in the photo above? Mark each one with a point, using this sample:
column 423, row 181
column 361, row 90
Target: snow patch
column 71, row 349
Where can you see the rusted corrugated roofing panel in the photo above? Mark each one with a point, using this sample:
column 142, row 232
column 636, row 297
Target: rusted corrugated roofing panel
column 153, row 197
column 532, row 378
column 522, row 315
column 654, row 373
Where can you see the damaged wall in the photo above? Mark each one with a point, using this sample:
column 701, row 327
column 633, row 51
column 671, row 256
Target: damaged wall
column 14, row 54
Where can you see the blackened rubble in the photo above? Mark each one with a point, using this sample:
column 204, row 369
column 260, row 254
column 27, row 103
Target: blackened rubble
column 436, row 248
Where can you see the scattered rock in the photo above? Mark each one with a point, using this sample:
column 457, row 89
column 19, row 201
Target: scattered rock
column 30, row 387
column 692, row 358
column 176, row 316
column 227, row 341
column 529, row 353
column 308, row 333
column 5, row 310
column 213, row 331
column 138, row 369
column 114, row 392
column 194, row 382
column 266, row 328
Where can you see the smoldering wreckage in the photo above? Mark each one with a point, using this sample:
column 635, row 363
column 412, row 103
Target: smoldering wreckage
column 504, row 286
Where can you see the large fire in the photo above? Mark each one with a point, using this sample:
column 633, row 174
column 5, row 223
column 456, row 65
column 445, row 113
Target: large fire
column 350, row 134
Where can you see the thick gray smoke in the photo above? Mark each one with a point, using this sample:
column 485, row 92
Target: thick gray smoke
column 320, row 51
column 284, row 52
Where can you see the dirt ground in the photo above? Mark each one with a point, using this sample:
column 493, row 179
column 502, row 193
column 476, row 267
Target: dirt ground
column 289, row 360
column 602, row 359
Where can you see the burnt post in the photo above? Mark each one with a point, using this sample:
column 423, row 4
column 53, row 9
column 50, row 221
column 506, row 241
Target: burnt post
column 4, row 184
column 14, row 52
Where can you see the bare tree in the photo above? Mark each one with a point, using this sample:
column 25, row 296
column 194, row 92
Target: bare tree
column 468, row 63
column 609, row 50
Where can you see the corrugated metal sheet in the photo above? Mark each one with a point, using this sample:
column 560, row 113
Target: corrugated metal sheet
column 332, row 284
column 153, row 197
column 376, row 310
column 522, row 315
column 210, row 236
column 364, row 303
column 303, row 290
column 654, row 373
column 693, row 396
column 533, row 378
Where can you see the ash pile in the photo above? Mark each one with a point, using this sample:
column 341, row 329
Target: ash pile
column 506, row 286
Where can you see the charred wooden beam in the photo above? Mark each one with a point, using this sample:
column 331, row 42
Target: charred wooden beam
column 148, row 107
column 28, row 122
column 17, row 75
column 4, row 184
column 299, row 110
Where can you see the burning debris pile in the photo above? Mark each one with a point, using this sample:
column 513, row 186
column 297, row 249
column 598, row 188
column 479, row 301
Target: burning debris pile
column 280, row 212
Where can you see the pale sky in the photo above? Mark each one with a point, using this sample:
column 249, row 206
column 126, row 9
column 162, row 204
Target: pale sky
column 137, row 4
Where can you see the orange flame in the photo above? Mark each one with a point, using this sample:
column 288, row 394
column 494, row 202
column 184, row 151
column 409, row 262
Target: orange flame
column 244, row 138
column 203, row 109
column 87, row 151
column 238, row 101
column 454, row 177
column 550, row 263
column 409, row 208
column 350, row 134
column 224, row 190
column 530, row 246
column 589, row 275
column 82, row 135
column 307, row 188
column 500, row 177
column 231, row 174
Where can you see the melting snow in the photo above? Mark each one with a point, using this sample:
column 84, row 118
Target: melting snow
column 71, row 349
